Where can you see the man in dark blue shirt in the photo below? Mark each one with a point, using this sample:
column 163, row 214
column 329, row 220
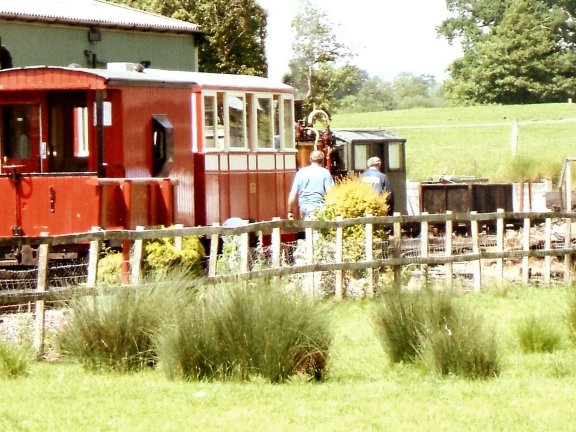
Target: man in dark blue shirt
column 378, row 180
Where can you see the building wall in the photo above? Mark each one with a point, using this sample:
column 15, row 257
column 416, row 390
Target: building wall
column 32, row 44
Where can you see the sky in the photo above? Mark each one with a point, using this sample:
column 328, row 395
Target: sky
column 388, row 36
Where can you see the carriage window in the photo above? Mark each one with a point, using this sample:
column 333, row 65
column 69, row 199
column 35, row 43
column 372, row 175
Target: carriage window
column 288, row 123
column 19, row 129
column 264, row 122
column 395, row 157
column 237, row 120
column 162, row 145
column 81, row 132
column 213, row 122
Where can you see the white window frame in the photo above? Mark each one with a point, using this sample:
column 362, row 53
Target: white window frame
column 270, row 98
column 283, row 144
column 228, row 142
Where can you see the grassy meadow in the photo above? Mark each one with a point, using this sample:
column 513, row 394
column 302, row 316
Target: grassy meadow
column 477, row 141
column 362, row 392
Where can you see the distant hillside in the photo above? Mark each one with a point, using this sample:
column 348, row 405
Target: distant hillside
column 478, row 141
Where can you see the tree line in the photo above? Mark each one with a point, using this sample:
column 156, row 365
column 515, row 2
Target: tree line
column 514, row 52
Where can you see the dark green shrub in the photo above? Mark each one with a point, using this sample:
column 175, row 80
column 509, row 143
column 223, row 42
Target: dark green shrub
column 538, row 335
column 115, row 330
column 244, row 330
column 399, row 320
column 433, row 327
column 14, row 359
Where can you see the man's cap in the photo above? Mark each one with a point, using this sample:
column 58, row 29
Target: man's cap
column 373, row 161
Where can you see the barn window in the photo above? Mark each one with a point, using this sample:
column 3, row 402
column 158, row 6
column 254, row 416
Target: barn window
column 162, row 145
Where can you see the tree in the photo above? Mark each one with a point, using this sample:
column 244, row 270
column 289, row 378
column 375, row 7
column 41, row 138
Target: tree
column 519, row 61
column 315, row 46
column 411, row 91
column 375, row 95
column 234, row 31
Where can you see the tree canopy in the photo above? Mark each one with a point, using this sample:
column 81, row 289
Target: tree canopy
column 515, row 51
column 315, row 51
column 235, row 31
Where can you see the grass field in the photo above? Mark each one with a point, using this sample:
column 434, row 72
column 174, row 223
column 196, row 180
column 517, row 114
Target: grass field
column 478, row 140
column 363, row 392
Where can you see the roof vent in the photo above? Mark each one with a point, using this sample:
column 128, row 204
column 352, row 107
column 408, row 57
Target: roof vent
column 125, row 66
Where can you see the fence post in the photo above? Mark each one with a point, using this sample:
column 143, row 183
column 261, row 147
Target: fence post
column 244, row 252
column 213, row 258
column 369, row 258
column 424, row 248
column 93, row 257
column 397, row 252
column 178, row 240
column 547, row 248
column 136, row 259
column 526, row 249
column 309, row 260
column 39, row 311
column 568, row 256
column 276, row 239
column 500, row 244
column 477, row 264
column 338, row 254
column 449, row 267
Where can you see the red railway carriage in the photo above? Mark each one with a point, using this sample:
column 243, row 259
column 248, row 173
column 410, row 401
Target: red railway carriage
column 128, row 146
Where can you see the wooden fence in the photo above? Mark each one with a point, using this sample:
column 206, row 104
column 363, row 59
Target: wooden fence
column 486, row 237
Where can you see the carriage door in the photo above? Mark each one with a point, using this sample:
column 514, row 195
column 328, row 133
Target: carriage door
column 20, row 136
column 68, row 132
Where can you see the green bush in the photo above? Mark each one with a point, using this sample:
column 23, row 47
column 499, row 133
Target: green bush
column 160, row 257
column 240, row 331
column 14, row 359
column 399, row 320
column 430, row 326
column 461, row 347
column 537, row 334
column 115, row 330
column 351, row 198
column 571, row 313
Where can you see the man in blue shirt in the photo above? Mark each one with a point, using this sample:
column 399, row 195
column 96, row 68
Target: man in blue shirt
column 309, row 187
column 378, row 180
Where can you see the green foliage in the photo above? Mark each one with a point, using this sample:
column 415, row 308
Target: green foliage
column 518, row 61
column 433, row 327
column 110, row 269
column 243, row 331
column 115, row 331
column 162, row 256
column 14, row 360
column 571, row 313
column 351, row 198
column 538, row 334
column 314, row 46
column 234, row 31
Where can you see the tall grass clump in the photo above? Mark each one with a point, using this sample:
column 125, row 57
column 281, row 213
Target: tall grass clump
column 14, row 359
column 537, row 334
column 462, row 346
column 115, row 330
column 239, row 331
column 433, row 328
